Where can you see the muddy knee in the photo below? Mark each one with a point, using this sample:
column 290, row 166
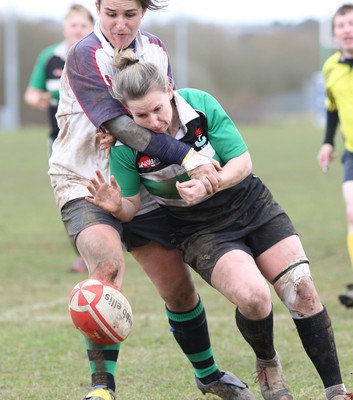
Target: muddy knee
column 108, row 270
column 296, row 289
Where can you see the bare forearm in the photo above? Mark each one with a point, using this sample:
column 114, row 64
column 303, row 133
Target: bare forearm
column 235, row 171
column 127, row 211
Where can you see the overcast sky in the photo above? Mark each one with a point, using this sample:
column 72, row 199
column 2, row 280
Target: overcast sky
column 219, row 11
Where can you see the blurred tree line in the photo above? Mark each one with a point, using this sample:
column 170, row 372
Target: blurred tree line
column 242, row 66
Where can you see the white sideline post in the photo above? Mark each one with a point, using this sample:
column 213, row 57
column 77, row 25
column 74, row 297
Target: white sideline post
column 9, row 113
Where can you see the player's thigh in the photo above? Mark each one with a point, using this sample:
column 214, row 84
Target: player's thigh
column 170, row 275
column 347, row 190
column 347, row 186
column 95, row 233
column 238, row 278
column 279, row 256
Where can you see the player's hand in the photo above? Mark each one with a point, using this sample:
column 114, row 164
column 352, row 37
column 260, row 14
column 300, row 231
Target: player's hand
column 38, row 99
column 44, row 101
column 208, row 175
column 326, row 156
column 105, row 196
column 106, row 140
column 193, row 191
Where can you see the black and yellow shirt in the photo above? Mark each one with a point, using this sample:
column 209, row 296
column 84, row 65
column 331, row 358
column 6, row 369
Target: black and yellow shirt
column 338, row 76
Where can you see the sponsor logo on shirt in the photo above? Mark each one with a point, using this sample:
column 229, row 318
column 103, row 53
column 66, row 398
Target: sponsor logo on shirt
column 146, row 162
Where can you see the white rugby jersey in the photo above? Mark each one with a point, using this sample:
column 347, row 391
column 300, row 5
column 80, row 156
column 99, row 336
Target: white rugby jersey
column 85, row 104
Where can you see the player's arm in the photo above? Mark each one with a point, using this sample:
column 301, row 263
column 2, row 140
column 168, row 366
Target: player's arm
column 332, row 122
column 327, row 152
column 103, row 110
column 227, row 142
column 37, row 99
column 36, row 95
column 109, row 198
column 233, row 172
column 167, row 149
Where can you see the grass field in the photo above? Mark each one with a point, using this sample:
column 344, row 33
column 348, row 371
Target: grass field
column 43, row 356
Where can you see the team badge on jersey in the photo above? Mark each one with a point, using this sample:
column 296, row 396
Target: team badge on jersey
column 201, row 140
column 197, row 132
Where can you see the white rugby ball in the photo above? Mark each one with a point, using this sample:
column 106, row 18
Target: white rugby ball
column 101, row 312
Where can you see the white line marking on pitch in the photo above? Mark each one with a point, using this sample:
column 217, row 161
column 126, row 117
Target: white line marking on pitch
column 23, row 313
column 14, row 312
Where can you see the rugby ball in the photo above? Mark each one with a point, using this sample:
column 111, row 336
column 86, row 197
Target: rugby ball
column 100, row 311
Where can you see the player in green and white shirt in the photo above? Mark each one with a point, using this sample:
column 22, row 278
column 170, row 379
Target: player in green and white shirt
column 215, row 137
column 236, row 239
column 42, row 92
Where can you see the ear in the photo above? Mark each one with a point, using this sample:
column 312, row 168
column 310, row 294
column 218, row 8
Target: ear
column 170, row 91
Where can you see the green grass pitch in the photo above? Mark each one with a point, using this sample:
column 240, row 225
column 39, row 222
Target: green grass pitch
column 43, row 356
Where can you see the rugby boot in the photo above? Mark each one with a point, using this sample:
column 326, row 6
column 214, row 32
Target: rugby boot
column 270, row 377
column 346, row 396
column 100, row 393
column 346, row 298
column 228, row 387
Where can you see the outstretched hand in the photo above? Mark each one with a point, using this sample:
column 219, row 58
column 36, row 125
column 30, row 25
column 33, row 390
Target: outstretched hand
column 105, row 196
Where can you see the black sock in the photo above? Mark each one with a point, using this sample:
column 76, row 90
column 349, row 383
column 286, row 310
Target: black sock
column 190, row 330
column 258, row 333
column 318, row 341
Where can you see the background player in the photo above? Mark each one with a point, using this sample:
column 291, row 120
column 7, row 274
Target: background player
column 338, row 77
column 42, row 92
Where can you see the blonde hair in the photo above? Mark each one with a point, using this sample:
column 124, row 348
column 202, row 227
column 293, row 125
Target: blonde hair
column 133, row 78
column 79, row 9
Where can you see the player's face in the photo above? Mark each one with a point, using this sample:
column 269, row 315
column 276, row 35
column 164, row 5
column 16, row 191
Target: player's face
column 120, row 20
column 343, row 32
column 76, row 26
column 153, row 111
